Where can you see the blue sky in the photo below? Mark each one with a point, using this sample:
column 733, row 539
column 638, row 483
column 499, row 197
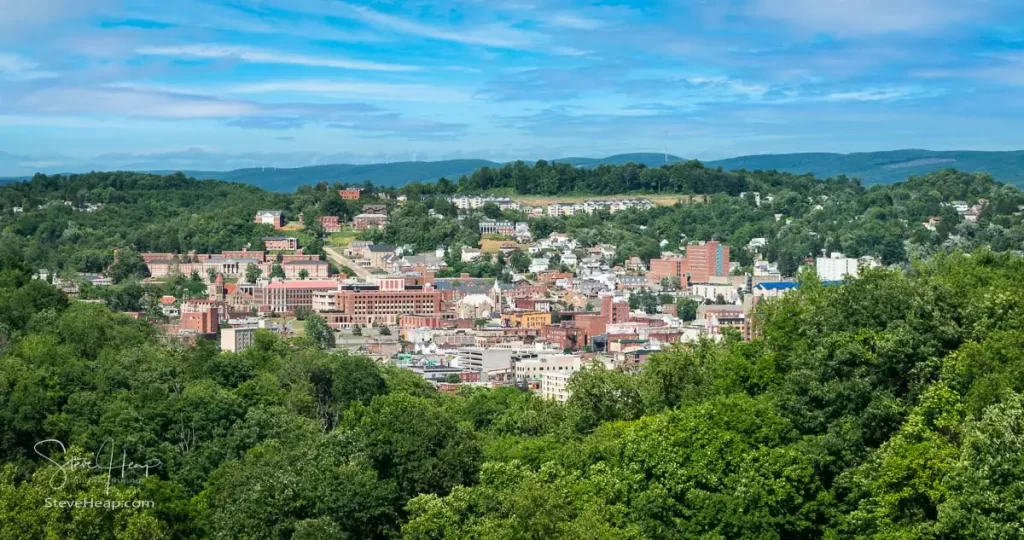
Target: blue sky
column 226, row 84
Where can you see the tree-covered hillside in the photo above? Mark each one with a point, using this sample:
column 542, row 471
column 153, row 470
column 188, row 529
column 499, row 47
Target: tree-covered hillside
column 799, row 216
column 870, row 167
column 889, row 407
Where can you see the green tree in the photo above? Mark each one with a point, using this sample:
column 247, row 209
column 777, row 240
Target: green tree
column 276, row 271
column 319, row 332
column 601, row 395
column 252, row 273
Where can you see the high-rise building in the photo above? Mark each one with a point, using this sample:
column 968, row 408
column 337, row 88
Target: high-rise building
column 200, row 316
column 835, row 267
column 706, row 260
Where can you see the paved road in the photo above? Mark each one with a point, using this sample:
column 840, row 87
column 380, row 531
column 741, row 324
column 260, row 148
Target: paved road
column 341, row 260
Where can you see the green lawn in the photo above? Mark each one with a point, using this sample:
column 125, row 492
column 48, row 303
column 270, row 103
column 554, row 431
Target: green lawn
column 343, row 238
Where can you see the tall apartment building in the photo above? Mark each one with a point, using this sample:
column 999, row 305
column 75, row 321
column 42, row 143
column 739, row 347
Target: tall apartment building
column 706, row 260
column 835, row 267
column 200, row 316
column 238, row 338
column 702, row 261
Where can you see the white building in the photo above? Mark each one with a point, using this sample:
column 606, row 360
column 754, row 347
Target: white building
column 482, row 359
column 836, row 267
column 552, row 372
column 237, row 339
column 539, row 264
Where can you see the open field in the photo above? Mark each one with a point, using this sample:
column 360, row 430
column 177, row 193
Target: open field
column 292, row 226
column 343, row 238
column 660, row 200
column 488, row 245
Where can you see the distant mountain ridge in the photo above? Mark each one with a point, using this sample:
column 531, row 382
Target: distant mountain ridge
column 871, row 167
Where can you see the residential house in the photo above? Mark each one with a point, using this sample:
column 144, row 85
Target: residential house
column 365, row 222
column 270, row 217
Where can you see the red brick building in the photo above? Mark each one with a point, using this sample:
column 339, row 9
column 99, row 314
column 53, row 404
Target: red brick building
column 350, row 194
column 700, row 263
column 287, row 296
column 200, row 316
column 331, row 224
column 706, row 260
column 381, row 307
column 280, row 243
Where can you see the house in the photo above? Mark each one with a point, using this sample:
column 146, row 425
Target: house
column 375, row 209
column 470, row 254
column 539, row 264
column 635, row 264
column 330, row 224
column 280, row 243
column 350, row 194
column 377, row 253
column 522, row 232
column 270, row 217
column 365, row 222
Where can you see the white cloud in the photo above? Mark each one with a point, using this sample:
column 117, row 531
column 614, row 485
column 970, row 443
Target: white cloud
column 488, row 35
column 383, row 91
column 576, row 22
column 14, row 67
column 256, row 56
column 877, row 94
column 128, row 102
column 20, row 15
column 866, row 17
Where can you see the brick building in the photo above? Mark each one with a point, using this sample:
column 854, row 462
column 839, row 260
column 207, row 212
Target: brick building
column 330, row 224
column 350, row 194
column 287, row 296
column 270, row 217
column 200, row 316
column 702, row 261
column 362, row 307
column 280, row 243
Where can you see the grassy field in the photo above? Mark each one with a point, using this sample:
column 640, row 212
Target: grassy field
column 493, row 246
column 343, row 238
column 660, row 200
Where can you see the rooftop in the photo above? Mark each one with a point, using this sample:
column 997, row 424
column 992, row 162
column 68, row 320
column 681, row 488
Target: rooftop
column 304, row 284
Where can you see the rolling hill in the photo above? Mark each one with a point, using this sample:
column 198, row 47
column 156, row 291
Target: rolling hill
column 886, row 167
column 871, row 167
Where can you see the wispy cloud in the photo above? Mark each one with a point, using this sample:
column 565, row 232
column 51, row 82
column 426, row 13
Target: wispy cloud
column 576, row 22
column 384, row 91
column 14, row 67
column 867, row 17
column 257, row 56
column 487, row 34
